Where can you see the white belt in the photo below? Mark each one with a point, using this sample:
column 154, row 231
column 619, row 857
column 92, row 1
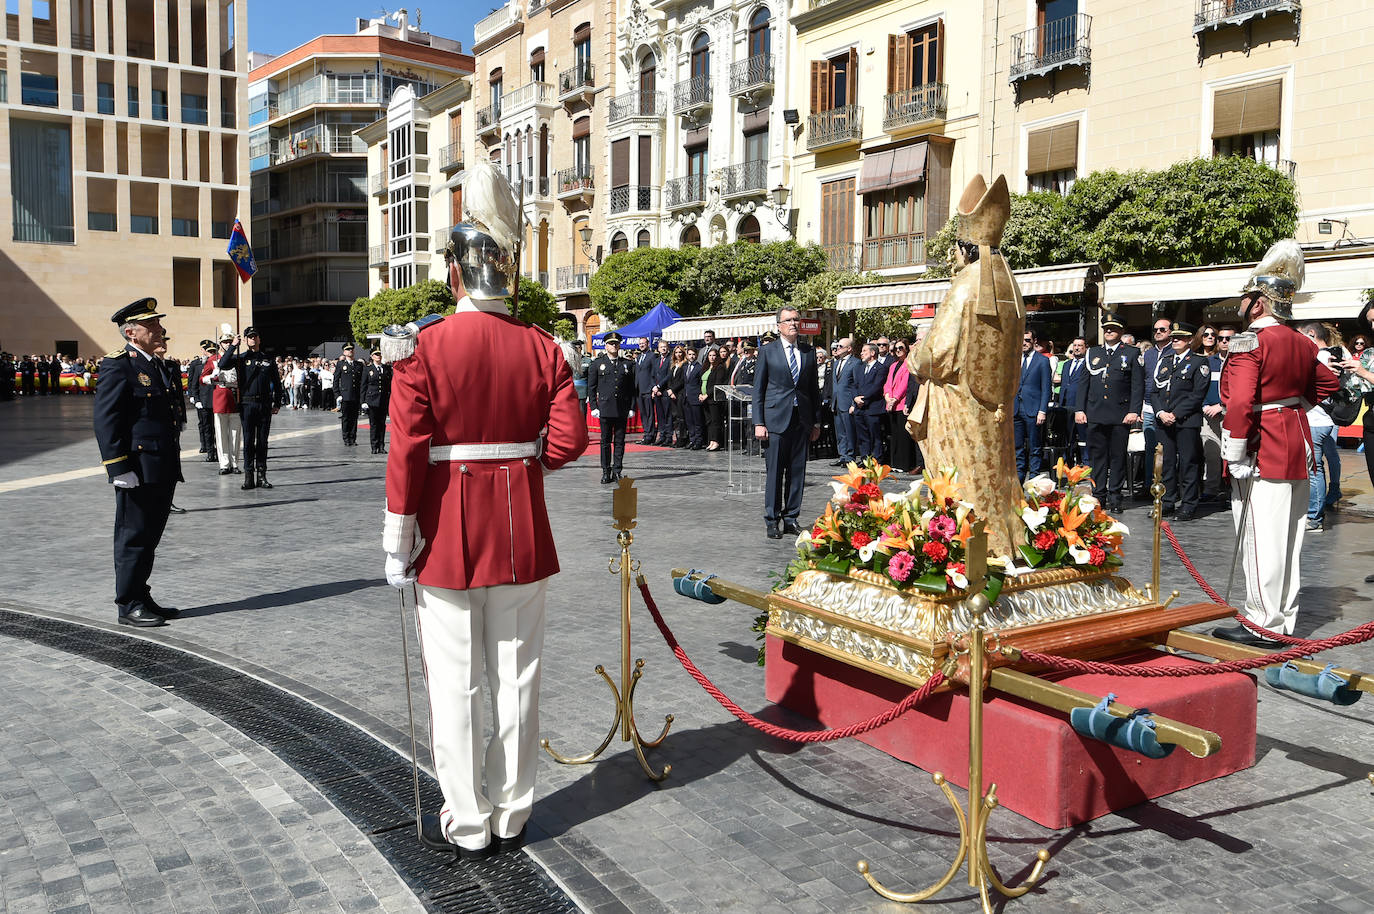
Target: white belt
column 1286, row 403
column 503, row 450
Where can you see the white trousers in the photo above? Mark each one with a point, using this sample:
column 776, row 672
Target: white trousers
column 1271, row 548
column 462, row 632
column 228, row 439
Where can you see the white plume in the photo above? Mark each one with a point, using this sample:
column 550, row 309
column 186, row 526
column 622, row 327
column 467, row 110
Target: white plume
column 491, row 204
column 1284, row 258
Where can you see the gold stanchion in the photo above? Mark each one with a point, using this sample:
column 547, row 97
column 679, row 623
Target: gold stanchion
column 624, row 508
column 973, row 828
column 1157, row 490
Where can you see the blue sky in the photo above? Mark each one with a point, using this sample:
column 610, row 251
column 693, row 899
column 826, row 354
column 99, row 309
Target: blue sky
column 275, row 26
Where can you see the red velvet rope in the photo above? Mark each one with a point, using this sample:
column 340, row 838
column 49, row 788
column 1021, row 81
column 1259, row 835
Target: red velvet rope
column 796, row 736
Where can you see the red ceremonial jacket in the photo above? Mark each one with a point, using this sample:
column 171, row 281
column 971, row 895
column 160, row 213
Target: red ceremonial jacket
column 1281, row 366
column 478, row 377
column 223, row 399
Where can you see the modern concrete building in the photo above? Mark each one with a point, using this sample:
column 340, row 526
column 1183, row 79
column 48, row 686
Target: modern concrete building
column 310, row 183
column 125, row 162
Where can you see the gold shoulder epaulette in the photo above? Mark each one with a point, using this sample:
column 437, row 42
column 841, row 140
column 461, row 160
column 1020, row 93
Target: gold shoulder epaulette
column 1244, row 342
column 117, row 354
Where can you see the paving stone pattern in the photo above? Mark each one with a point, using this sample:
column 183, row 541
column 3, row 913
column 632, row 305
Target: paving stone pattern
column 287, row 583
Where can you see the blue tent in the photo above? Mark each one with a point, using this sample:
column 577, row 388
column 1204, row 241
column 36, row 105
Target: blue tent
column 651, row 325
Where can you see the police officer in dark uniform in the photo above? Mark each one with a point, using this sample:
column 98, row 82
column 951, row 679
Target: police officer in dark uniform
column 259, row 389
column 1182, row 379
column 202, row 395
column 1109, row 402
column 40, row 368
column 611, row 393
column 27, row 369
column 348, row 387
column 135, row 428
column 6, row 377
column 377, row 396
column 55, row 373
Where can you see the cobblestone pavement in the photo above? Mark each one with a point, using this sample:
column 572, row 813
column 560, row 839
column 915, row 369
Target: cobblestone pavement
column 286, row 584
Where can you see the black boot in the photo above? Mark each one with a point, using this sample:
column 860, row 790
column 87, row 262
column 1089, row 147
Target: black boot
column 262, row 479
column 248, row 481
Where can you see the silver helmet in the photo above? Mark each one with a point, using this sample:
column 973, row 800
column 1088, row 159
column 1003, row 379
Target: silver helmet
column 486, row 246
column 1278, row 277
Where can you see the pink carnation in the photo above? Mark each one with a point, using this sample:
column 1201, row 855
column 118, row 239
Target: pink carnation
column 900, row 565
column 941, row 527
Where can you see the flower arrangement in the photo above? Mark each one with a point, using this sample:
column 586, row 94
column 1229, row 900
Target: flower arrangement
column 914, row 539
column 1065, row 524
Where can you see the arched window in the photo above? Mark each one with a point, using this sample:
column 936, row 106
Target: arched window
column 642, row 240
column 619, row 243
column 691, row 237
column 748, row 230
column 759, row 42
column 701, row 55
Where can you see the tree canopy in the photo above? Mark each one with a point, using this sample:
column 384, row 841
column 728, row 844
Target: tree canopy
column 629, row 283
column 400, row 306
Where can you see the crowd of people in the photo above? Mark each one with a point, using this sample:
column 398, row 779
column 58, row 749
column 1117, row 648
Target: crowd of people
column 37, row 374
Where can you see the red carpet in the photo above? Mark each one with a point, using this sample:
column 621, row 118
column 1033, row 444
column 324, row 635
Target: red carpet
column 594, row 448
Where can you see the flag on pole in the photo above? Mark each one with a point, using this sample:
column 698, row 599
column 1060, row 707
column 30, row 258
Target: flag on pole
column 241, row 253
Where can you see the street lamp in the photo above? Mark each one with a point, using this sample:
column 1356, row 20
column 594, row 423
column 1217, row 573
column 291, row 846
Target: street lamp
column 585, row 233
column 780, row 207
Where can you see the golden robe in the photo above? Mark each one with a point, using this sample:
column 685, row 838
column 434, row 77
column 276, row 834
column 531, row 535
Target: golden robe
column 969, row 367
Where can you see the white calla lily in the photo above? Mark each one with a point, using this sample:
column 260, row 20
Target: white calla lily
column 1034, row 517
column 841, row 493
column 925, row 518
column 956, row 578
column 1080, row 555
column 804, row 539
column 1087, row 504
column 1040, row 486
column 1118, row 527
column 866, row 551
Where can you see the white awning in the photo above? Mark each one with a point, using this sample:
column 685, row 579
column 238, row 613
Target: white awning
column 691, row 328
column 1349, row 274
column 1307, row 306
column 1057, row 280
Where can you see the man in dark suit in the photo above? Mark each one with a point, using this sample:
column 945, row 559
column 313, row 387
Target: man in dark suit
column 348, row 387
column 1032, row 405
column 1109, row 401
column 611, row 393
column 644, row 388
column 135, row 428
column 1072, row 372
column 867, row 405
column 842, row 397
column 786, row 417
column 691, row 406
column 660, row 373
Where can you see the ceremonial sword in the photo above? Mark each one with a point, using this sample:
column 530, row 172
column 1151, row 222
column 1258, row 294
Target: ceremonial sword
column 410, row 708
column 1249, row 483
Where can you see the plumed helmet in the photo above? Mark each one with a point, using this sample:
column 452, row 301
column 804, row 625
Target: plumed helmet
column 1278, row 277
column 983, row 211
column 485, row 247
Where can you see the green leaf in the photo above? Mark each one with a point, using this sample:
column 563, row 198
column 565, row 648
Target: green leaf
column 833, row 564
column 1032, row 555
column 935, row 582
column 994, row 588
column 1114, row 560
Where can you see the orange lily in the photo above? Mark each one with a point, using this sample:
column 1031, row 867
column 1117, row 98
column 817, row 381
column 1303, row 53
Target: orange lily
column 900, row 541
column 943, row 485
column 854, row 478
column 965, row 532
column 1073, row 475
column 1069, row 522
column 881, row 509
column 878, row 472
column 829, row 524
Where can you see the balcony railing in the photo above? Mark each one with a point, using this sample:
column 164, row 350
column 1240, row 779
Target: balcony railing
column 1213, row 14
column 376, row 255
column 1061, row 43
column 744, row 178
column 576, row 81
column 843, row 256
column 572, row 279
column 894, row 251
column 315, row 141
column 634, row 198
column 440, row 237
column 916, row 105
column 492, row 25
column 451, row 157
column 689, row 190
column 376, row 185
column 642, row 103
column 489, row 119
column 517, row 100
column 752, row 74
column 835, row 127
column 575, row 181
column 692, row 94
column 536, row 188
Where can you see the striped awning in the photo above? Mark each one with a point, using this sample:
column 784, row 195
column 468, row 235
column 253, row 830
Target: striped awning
column 692, row 328
column 1345, row 275
column 1065, row 279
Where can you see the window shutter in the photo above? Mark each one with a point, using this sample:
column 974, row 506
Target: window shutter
column 898, row 63
column 646, row 161
column 582, row 127
column 582, row 33
column 851, row 82
column 820, row 86
column 1052, row 149
column 537, row 57
column 1246, row 109
column 495, row 76
column 755, row 121
column 620, row 162
column 940, row 51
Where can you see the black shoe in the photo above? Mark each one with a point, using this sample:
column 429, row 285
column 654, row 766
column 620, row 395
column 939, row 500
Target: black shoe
column 165, row 612
column 211, row 458
column 1184, row 516
column 773, row 532
column 790, row 528
column 201, row 451
column 248, row 481
column 1114, row 508
column 432, row 837
column 262, row 480
column 508, row 845
column 175, row 510
column 607, row 477
column 1168, row 509
column 225, row 472
column 235, row 470
column 141, row 616
column 1239, row 634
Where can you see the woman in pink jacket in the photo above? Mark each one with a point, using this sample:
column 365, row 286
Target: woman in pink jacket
column 902, row 449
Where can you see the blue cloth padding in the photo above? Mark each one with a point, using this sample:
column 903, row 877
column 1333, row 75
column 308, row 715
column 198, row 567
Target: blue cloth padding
column 1326, row 685
column 1135, row 733
column 697, row 588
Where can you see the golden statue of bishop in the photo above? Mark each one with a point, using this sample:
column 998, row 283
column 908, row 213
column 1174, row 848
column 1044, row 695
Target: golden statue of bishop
column 968, row 366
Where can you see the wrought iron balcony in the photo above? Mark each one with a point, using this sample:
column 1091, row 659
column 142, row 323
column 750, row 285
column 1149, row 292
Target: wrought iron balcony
column 751, row 75
column 376, row 185
column 376, row 255
column 572, row 279
column 917, row 105
column 634, row 198
column 894, row 251
column 1215, row 14
column 638, row 104
column 451, row 157
column 843, row 256
column 576, row 182
column 689, row 190
column 489, row 119
column 577, row 83
column 692, row 95
column 536, row 188
column 836, row 127
column 1053, row 46
column 744, row 179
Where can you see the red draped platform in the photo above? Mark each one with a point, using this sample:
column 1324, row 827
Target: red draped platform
column 1043, row 769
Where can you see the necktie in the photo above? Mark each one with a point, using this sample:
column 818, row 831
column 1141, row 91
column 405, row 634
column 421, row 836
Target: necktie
column 792, row 363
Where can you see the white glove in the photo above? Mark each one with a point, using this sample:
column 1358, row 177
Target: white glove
column 596, row 414
column 338, row 401
column 127, row 480
column 198, row 404
column 399, row 573
column 364, row 407
column 631, row 414
column 1242, row 469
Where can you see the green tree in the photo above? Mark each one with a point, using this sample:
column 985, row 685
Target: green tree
column 565, row 328
column 537, row 306
column 398, row 306
column 1036, row 232
column 743, row 277
column 628, row 284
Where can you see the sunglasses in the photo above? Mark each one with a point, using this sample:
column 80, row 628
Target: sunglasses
column 1161, row 330
column 1207, row 333
column 1224, row 339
